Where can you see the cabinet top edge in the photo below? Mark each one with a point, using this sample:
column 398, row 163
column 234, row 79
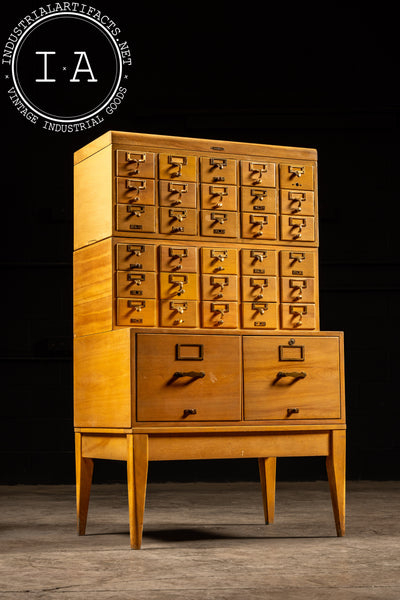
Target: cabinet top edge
column 198, row 144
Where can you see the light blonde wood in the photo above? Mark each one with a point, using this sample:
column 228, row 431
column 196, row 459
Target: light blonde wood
column 137, row 468
column 336, row 469
column 93, row 189
column 267, row 468
column 102, row 380
column 112, row 447
column 93, row 292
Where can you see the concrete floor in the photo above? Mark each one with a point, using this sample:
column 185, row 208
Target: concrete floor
column 201, row 541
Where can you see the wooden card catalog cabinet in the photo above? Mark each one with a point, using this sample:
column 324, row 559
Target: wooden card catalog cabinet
column 196, row 312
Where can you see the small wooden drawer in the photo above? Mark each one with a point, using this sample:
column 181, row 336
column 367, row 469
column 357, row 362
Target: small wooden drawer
column 259, row 287
column 178, row 258
column 135, row 257
column 219, row 287
column 259, row 226
column 297, row 289
column 131, row 163
column 297, row 202
column 257, row 199
column 219, row 223
column 296, row 176
column 297, row 229
column 291, row 378
column 298, row 316
column 181, row 221
column 137, row 313
column 298, row 262
column 259, row 315
column 179, row 313
column 259, row 262
column 218, row 196
column 257, row 172
column 219, row 260
column 179, row 286
column 135, row 191
column 136, row 219
column 131, row 284
column 218, row 170
column 185, row 378
column 176, row 194
column 177, row 167
column 220, row 314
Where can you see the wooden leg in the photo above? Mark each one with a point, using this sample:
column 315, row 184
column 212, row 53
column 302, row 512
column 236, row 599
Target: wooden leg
column 84, row 474
column 137, row 467
column 336, row 469
column 267, row 468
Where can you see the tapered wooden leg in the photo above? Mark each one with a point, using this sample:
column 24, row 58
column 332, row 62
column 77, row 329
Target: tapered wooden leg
column 84, row 474
column 137, row 467
column 267, row 468
column 336, row 469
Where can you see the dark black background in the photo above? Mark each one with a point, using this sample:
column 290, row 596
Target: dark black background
column 324, row 78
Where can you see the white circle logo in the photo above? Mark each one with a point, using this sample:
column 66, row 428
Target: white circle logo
column 68, row 67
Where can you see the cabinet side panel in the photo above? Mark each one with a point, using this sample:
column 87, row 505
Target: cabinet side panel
column 102, row 380
column 93, row 289
column 93, row 198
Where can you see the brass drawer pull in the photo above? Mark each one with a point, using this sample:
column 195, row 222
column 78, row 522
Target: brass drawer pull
column 258, row 168
column 258, row 255
column 218, row 162
column 259, row 194
column 136, row 250
column 296, row 197
column 260, row 307
column 179, row 215
column 292, row 411
column 192, row 374
column 189, row 411
column 220, row 255
column 136, row 159
column 299, row 256
column 179, row 162
column 296, row 171
column 294, row 374
column 219, row 217
column 299, row 223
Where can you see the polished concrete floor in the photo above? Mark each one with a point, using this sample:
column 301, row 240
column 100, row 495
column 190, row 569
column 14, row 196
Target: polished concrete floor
column 201, row 541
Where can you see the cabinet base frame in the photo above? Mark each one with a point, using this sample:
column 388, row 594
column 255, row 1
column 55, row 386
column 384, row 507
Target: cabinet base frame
column 137, row 449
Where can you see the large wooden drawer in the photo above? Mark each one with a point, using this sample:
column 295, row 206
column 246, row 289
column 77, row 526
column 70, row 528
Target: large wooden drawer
column 291, row 377
column 188, row 377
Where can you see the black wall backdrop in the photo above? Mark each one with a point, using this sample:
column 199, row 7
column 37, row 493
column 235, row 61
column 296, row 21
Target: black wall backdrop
column 324, row 78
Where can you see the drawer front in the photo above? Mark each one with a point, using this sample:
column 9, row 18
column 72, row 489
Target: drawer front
column 258, row 199
column 175, row 194
column 291, row 378
column 218, row 223
column 298, row 263
column 135, row 191
column 297, row 289
column 179, row 286
column 257, row 173
column 220, row 314
column 218, row 197
column 218, row 170
column 259, row 262
column 297, row 203
column 260, row 315
column 137, row 313
column 178, row 221
column 296, row 176
column 259, row 226
column 131, row 284
column 219, row 260
column 298, row 316
column 179, row 313
column 135, row 164
column 298, row 229
column 136, row 219
column 220, row 287
column 177, row 167
column 135, row 257
column 178, row 258
column 259, row 287
column 188, row 378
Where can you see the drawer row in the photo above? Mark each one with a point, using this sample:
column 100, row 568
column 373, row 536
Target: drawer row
column 171, row 166
column 213, row 196
column 145, row 219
